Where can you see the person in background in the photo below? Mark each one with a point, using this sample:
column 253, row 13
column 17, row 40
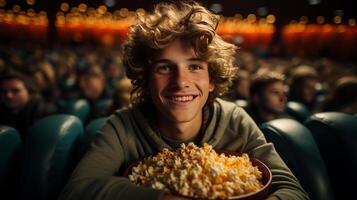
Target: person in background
column 267, row 99
column 302, row 87
column 20, row 103
column 178, row 66
column 343, row 96
column 92, row 87
column 121, row 96
column 45, row 79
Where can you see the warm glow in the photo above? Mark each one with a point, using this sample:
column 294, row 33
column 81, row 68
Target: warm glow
column 82, row 7
column 341, row 28
column 251, row 18
column 271, row 19
column 337, row 19
column 320, row 19
column 124, row 12
column 101, row 9
column 31, row 2
column 352, row 22
column 64, row 7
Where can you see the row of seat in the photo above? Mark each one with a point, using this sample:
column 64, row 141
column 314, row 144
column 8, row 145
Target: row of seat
column 39, row 168
column 81, row 107
column 321, row 153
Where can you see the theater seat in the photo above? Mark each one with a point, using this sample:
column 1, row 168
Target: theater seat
column 298, row 149
column 79, row 108
column 336, row 136
column 50, row 156
column 10, row 152
column 90, row 133
column 297, row 110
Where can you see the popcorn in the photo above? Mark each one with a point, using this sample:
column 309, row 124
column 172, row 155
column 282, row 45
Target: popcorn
column 198, row 172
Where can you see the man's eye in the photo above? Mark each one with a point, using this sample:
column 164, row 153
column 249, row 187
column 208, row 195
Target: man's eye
column 194, row 67
column 163, row 69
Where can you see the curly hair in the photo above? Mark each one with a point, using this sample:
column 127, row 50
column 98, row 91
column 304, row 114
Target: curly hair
column 190, row 22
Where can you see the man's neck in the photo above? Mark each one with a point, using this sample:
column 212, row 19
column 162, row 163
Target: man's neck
column 180, row 131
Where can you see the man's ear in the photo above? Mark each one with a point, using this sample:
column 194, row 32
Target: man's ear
column 211, row 87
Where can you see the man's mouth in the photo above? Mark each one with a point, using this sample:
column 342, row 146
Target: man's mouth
column 182, row 99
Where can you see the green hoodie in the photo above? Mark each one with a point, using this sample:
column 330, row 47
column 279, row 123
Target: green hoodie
column 127, row 137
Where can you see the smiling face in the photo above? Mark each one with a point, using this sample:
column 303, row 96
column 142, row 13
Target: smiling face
column 179, row 84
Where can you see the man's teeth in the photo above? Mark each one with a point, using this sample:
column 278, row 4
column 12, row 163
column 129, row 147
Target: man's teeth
column 182, row 98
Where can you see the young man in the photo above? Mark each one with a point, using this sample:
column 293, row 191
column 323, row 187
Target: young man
column 178, row 65
column 267, row 97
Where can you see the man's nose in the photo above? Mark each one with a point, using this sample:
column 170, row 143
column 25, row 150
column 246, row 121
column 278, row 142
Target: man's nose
column 181, row 78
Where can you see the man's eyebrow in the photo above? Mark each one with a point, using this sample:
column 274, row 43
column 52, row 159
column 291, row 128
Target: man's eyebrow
column 195, row 59
column 164, row 60
column 161, row 61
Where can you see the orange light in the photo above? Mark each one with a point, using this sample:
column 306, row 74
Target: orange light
column 82, row 7
column 337, row 19
column 64, row 7
column 30, row 2
column 101, row 9
column 251, row 18
column 352, row 22
column 271, row 19
column 124, row 12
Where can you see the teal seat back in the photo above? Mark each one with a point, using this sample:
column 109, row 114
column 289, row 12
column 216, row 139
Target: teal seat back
column 297, row 110
column 90, row 133
column 10, row 152
column 336, row 136
column 297, row 148
column 50, row 156
column 103, row 104
column 79, row 108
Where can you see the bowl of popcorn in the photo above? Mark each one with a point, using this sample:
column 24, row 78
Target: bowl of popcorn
column 203, row 173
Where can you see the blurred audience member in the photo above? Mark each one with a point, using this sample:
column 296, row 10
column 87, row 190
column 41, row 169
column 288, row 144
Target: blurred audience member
column 92, row 87
column 343, row 97
column 20, row 103
column 121, row 95
column 45, row 79
column 302, row 86
column 267, row 97
column 240, row 87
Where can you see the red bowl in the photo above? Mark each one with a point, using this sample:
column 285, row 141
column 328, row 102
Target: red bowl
column 257, row 195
